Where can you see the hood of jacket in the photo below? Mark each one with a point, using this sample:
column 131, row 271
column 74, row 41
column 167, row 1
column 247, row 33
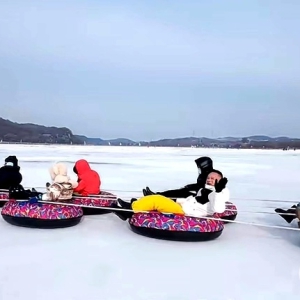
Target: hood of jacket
column 81, row 167
column 12, row 161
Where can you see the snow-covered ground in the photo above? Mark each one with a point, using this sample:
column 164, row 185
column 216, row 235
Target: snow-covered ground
column 102, row 259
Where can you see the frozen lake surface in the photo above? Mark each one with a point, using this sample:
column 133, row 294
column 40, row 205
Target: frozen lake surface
column 102, row 259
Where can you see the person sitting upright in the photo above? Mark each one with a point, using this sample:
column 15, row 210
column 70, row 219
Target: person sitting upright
column 89, row 181
column 10, row 176
column 204, row 165
column 210, row 199
column 62, row 185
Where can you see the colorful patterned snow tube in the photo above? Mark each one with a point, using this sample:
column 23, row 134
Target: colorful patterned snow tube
column 175, row 227
column 4, row 197
column 104, row 199
column 40, row 215
column 229, row 214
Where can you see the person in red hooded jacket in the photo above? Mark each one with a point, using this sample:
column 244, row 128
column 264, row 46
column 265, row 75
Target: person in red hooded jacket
column 89, row 181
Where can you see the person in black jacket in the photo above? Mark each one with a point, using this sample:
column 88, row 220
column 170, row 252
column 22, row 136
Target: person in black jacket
column 204, row 165
column 10, row 176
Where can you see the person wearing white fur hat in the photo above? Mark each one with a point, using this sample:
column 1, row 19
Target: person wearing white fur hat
column 62, row 185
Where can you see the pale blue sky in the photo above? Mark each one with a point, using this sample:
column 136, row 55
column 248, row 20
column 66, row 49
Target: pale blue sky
column 152, row 69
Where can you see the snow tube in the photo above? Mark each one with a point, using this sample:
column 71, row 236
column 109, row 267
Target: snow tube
column 104, row 199
column 229, row 214
column 40, row 215
column 4, row 197
column 175, row 227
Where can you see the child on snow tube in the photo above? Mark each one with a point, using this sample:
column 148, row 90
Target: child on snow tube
column 89, row 181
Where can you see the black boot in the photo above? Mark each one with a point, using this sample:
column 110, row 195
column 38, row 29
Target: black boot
column 148, row 192
column 123, row 215
column 204, row 164
column 288, row 215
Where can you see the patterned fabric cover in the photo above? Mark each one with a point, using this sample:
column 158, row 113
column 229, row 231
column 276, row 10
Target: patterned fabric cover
column 4, row 195
column 104, row 199
column 231, row 210
column 181, row 223
column 175, row 222
column 40, row 210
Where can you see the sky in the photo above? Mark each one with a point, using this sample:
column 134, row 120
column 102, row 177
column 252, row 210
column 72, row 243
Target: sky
column 147, row 70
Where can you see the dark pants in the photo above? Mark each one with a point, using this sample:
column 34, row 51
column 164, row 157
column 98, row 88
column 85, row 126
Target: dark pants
column 179, row 193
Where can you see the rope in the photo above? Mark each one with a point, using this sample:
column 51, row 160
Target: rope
column 145, row 211
column 135, row 191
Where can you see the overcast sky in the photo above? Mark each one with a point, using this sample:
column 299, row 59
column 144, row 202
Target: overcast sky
column 152, row 69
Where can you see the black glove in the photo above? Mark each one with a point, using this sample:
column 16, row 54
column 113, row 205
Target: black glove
column 219, row 186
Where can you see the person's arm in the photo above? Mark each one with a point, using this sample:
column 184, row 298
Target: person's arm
column 217, row 200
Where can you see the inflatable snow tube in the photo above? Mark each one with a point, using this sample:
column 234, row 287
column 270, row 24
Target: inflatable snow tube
column 95, row 202
column 4, row 197
column 175, row 227
column 229, row 214
column 40, row 215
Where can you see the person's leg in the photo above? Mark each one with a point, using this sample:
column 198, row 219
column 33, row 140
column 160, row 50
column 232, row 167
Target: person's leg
column 288, row 215
column 145, row 204
column 178, row 193
column 157, row 203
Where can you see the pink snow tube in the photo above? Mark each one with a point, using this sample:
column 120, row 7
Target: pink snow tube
column 230, row 213
column 104, row 199
column 175, row 227
column 4, row 197
column 40, row 215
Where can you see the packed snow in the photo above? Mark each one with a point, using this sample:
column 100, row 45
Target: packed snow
column 101, row 258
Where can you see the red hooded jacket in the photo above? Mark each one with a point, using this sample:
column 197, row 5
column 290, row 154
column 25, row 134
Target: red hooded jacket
column 88, row 180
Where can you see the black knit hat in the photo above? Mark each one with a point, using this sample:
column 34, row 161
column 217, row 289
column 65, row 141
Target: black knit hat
column 217, row 171
column 12, row 159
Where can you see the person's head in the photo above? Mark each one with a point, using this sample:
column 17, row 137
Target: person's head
column 11, row 161
column 213, row 176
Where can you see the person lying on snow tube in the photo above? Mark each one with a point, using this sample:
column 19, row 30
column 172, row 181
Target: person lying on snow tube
column 204, row 165
column 290, row 214
column 10, row 175
column 209, row 200
column 89, row 181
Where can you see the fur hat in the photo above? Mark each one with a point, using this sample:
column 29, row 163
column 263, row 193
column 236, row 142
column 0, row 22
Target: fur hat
column 59, row 174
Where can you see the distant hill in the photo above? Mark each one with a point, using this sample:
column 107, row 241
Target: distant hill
column 33, row 133
column 101, row 142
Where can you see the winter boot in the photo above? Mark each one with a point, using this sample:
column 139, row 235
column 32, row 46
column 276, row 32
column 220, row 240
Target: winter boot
column 148, row 192
column 288, row 215
column 123, row 215
column 204, row 164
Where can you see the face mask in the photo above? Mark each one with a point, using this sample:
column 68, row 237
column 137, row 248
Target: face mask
column 9, row 164
column 199, row 171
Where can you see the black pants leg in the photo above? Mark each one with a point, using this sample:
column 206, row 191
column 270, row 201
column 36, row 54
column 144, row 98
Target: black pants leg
column 179, row 193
